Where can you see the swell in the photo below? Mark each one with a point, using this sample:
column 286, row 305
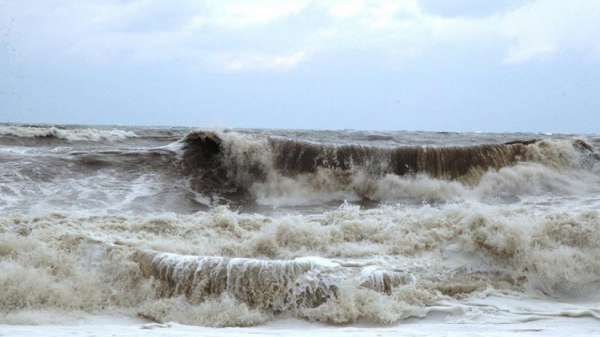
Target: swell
column 156, row 159
column 48, row 167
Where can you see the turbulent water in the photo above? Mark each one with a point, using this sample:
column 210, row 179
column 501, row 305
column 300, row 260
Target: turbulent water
column 241, row 227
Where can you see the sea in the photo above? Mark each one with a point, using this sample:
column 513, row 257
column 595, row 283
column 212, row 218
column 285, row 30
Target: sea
column 180, row 231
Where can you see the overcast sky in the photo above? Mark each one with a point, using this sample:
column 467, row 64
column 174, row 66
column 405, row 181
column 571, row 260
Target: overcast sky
column 460, row 65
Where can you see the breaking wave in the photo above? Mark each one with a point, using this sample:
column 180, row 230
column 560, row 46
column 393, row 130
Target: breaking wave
column 207, row 168
column 278, row 171
column 375, row 234
column 52, row 132
column 186, row 268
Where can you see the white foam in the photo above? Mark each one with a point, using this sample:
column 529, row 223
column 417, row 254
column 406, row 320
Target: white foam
column 453, row 256
column 99, row 326
column 391, row 262
column 87, row 134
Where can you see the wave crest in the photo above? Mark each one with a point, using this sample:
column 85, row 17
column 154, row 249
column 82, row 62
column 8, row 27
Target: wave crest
column 52, row 132
column 282, row 171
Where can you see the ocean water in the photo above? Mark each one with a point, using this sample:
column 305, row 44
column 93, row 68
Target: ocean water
column 242, row 228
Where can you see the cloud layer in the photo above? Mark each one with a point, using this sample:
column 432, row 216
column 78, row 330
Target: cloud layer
column 241, row 35
column 502, row 65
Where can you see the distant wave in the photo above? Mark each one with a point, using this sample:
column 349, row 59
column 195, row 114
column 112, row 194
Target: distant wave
column 52, row 132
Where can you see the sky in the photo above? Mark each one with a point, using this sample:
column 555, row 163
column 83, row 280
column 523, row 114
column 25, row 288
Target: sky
column 437, row 65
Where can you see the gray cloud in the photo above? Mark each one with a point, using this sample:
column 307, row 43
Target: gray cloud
column 413, row 64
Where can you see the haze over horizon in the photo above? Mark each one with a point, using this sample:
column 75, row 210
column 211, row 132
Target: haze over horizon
column 510, row 65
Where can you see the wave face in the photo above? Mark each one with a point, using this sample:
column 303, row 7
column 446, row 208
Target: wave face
column 238, row 228
column 256, row 168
